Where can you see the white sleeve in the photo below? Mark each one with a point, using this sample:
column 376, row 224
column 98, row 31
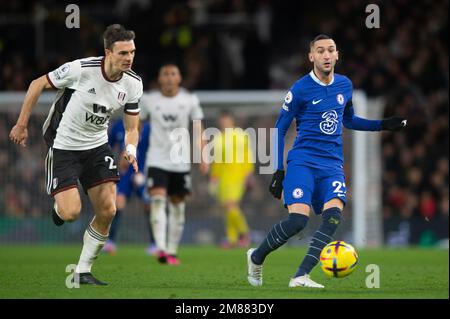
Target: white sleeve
column 196, row 111
column 132, row 106
column 144, row 106
column 67, row 75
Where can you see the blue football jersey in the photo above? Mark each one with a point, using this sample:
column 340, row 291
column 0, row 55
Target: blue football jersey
column 320, row 110
column 116, row 138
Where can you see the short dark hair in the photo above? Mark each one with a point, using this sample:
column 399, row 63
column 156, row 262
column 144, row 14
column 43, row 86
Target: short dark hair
column 114, row 33
column 319, row 37
column 226, row 113
column 167, row 64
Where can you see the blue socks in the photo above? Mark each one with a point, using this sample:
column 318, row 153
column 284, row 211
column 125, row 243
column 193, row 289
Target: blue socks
column 279, row 235
column 331, row 219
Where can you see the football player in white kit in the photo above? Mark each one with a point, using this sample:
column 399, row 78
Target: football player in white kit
column 170, row 109
column 89, row 91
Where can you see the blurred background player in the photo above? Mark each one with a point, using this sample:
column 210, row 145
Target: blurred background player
column 130, row 182
column 321, row 103
column 231, row 172
column 170, row 109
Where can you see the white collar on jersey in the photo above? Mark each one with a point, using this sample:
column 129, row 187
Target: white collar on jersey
column 316, row 79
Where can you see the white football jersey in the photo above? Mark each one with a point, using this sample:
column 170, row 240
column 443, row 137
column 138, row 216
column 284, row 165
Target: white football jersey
column 170, row 117
column 86, row 99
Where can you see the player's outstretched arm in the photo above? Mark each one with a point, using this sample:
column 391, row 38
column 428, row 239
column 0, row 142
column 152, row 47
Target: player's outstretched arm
column 131, row 139
column 353, row 122
column 19, row 133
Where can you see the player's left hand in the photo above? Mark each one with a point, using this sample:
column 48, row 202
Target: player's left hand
column 131, row 160
column 393, row 124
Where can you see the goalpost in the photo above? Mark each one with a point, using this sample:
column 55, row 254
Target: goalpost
column 257, row 109
column 367, row 172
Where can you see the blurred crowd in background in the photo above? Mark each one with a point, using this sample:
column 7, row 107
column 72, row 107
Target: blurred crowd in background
column 259, row 44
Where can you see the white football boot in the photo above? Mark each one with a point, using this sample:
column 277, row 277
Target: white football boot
column 254, row 271
column 304, row 281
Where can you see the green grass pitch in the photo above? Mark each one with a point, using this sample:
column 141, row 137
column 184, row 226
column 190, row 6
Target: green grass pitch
column 208, row 272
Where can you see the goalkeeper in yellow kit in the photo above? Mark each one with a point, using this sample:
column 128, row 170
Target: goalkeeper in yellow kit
column 231, row 172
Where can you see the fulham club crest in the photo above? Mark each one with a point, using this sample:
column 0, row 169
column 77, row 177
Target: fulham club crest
column 121, row 96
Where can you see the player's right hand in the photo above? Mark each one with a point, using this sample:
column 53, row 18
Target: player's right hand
column 276, row 185
column 19, row 134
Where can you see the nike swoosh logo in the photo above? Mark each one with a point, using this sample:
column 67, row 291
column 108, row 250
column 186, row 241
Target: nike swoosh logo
column 315, row 102
column 274, row 183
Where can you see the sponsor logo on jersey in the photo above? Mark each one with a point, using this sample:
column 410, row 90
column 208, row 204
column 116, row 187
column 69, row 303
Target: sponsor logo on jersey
column 330, row 124
column 169, row 117
column 297, row 193
column 96, row 119
column 96, row 108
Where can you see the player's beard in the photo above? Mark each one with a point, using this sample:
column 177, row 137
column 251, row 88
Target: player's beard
column 327, row 71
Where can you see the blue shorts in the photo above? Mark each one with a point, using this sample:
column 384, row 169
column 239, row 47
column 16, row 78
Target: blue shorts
column 127, row 187
column 312, row 186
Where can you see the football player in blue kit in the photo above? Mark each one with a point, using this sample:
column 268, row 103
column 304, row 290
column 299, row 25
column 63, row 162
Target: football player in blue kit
column 320, row 102
column 130, row 182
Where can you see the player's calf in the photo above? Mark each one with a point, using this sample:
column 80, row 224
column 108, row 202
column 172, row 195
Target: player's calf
column 279, row 235
column 331, row 218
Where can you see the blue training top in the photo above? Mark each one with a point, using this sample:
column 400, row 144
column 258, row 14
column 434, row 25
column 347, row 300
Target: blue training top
column 319, row 110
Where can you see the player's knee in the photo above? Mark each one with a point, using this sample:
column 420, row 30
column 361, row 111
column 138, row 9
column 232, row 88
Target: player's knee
column 298, row 221
column 69, row 214
column 176, row 199
column 332, row 216
column 108, row 210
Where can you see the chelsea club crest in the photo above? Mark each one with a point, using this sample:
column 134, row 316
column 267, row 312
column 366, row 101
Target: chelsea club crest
column 340, row 99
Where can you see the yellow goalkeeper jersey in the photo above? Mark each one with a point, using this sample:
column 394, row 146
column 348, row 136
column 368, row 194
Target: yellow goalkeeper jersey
column 233, row 157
